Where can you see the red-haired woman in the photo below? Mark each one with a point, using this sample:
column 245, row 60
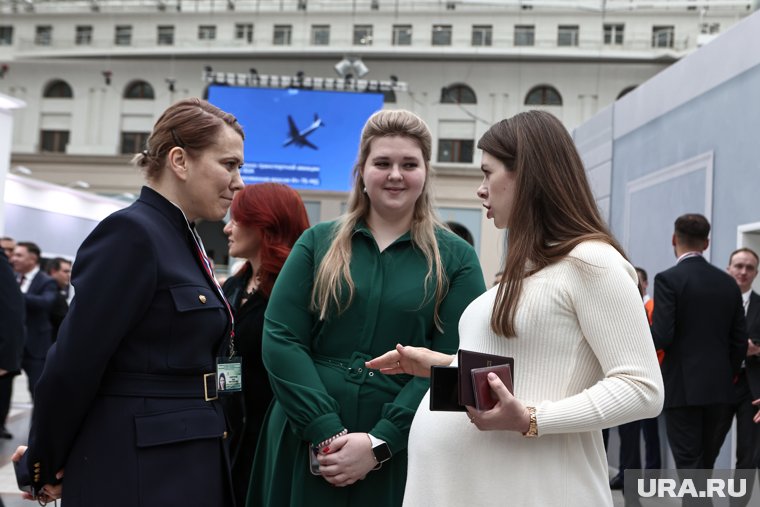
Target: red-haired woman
column 267, row 218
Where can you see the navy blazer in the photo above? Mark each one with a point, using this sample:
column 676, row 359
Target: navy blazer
column 40, row 299
column 146, row 321
column 753, row 330
column 698, row 320
column 12, row 317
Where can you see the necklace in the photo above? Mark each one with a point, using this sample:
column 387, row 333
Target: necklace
column 254, row 288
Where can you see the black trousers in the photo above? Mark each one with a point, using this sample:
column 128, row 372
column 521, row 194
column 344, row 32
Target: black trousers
column 6, row 393
column 696, row 433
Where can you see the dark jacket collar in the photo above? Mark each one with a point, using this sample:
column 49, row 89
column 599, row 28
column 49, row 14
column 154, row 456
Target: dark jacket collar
column 164, row 206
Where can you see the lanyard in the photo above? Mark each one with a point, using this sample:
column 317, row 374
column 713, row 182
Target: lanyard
column 210, row 274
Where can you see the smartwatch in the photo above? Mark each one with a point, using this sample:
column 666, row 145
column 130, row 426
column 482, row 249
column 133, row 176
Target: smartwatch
column 380, row 450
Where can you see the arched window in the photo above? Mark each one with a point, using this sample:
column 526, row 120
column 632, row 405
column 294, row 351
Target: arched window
column 58, row 89
column 138, row 90
column 543, row 95
column 626, row 92
column 458, row 94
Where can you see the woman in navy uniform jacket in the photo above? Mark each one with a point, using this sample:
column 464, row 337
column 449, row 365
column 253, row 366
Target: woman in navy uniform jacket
column 126, row 411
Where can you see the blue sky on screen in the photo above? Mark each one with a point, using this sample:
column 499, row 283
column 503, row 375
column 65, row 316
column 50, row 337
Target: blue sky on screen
column 264, row 112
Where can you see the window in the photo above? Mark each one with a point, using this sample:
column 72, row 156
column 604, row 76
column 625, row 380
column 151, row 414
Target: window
column 525, row 35
column 441, row 35
column 458, row 94
column 207, row 32
column 455, row 150
column 58, row 89
column 6, row 35
column 402, row 35
column 362, row 35
column 165, row 35
column 54, row 141
column 43, row 35
column 282, row 35
column 83, row 35
column 133, row 142
column 123, row 35
column 613, row 34
column 320, row 35
column 543, row 95
column 244, row 32
column 138, row 90
column 706, row 28
column 662, row 36
column 567, row 35
column 482, row 35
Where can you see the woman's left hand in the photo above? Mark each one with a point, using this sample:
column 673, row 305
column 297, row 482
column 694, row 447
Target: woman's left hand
column 347, row 460
column 508, row 413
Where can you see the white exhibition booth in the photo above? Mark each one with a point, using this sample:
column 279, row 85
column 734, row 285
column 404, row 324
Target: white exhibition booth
column 56, row 218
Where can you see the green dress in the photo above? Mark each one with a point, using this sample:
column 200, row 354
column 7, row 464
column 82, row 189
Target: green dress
column 317, row 367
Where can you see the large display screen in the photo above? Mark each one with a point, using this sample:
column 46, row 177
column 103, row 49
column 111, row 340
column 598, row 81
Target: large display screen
column 308, row 139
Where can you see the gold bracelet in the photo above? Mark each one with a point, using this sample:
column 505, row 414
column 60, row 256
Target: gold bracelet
column 533, row 426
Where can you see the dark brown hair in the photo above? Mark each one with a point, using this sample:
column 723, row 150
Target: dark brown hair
column 32, row 248
column 191, row 124
column 692, row 230
column 553, row 209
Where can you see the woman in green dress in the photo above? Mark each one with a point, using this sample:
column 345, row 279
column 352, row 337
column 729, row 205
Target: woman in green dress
column 386, row 272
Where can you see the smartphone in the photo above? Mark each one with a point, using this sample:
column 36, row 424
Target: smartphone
column 444, row 382
column 313, row 463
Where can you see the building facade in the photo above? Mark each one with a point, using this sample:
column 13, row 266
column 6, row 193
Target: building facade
column 96, row 73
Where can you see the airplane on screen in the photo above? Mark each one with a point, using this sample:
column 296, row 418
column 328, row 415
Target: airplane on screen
column 298, row 137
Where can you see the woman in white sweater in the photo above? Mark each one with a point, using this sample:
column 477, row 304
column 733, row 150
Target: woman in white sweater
column 568, row 310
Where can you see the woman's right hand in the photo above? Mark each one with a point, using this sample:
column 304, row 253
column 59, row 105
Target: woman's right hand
column 48, row 493
column 410, row 360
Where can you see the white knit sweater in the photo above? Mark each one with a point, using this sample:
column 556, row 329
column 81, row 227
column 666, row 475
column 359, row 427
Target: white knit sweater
column 584, row 358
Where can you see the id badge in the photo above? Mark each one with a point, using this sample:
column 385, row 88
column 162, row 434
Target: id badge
column 229, row 374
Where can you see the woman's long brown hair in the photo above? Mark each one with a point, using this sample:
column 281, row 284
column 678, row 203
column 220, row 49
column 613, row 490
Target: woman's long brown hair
column 553, row 210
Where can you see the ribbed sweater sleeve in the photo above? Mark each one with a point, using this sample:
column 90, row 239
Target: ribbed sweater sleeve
column 600, row 286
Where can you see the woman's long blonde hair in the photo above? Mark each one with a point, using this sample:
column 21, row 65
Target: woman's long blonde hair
column 334, row 273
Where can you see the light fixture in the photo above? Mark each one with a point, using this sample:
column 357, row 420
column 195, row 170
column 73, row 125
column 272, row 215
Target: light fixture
column 79, row 184
column 107, row 76
column 171, row 81
column 343, row 67
column 20, row 169
column 360, row 69
column 353, row 66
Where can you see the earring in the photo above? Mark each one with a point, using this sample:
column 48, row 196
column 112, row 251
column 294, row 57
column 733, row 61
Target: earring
column 364, row 190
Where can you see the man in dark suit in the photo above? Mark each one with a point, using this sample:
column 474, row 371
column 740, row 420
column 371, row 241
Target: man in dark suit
column 40, row 292
column 12, row 314
column 742, row 265
column 698, row 320
column 59, row 270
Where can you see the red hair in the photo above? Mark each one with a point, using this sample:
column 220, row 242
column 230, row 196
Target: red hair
column 279, row 214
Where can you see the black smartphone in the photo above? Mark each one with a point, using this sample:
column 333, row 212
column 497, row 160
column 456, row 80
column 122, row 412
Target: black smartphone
column 444, row 382
column 23, row 479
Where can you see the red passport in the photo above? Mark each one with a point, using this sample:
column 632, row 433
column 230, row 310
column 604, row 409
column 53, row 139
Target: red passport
column 469, row 360
column 485, row 398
